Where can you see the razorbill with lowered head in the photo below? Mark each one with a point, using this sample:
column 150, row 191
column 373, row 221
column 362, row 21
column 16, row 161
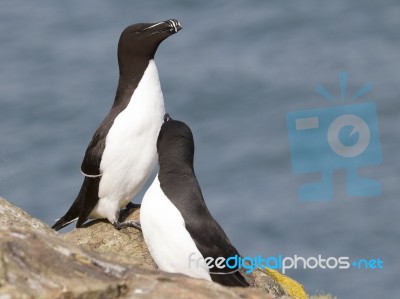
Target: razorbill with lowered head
column 176, row 224
column 122, row 153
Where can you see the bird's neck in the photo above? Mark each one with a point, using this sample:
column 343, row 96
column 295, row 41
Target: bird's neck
column 130, row 74
column 132, row 67
column 176, row 167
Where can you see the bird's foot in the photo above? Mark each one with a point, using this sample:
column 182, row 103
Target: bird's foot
column 126, row 211
column 121, row 225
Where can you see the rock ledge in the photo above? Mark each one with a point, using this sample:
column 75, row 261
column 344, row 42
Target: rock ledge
column 100, row 262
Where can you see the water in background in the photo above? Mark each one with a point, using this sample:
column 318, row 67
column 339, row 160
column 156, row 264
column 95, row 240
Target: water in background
column 232, row 74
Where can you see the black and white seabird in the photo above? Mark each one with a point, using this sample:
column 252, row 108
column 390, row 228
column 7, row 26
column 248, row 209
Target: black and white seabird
column 122, row 154
column 176, row 224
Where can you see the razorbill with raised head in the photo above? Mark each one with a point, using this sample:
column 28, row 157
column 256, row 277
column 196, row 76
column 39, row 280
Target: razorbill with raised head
column 122, row 153
column 178, row 229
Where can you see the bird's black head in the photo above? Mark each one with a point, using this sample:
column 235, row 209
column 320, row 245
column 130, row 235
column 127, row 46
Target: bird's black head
column 142, row 40
column 138, row 43
column 175, row 145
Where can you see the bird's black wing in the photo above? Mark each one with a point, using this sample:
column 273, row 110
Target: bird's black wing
column 94, row 152
column 208, row 235
column 88, row 195
column 212, row 241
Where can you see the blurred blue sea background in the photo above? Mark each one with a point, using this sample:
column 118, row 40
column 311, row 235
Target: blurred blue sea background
column 231, row 74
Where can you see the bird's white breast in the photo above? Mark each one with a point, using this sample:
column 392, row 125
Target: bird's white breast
column 130, row 153
column 166, row 237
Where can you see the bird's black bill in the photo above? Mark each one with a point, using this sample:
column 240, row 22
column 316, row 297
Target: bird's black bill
column 171, row 26
column 174, row 25
column 167, row 117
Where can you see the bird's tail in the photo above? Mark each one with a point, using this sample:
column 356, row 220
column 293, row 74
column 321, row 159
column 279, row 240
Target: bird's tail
column 83, row 204
column 71, row 215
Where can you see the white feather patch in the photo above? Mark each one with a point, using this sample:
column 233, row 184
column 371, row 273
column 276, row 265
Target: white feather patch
column 166, row 237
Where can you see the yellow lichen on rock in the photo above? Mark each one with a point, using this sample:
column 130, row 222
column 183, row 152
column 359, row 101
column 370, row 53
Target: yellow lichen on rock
column 292, row 287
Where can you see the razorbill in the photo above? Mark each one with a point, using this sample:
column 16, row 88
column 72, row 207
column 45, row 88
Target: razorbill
column 122, row 153
column 178, row 229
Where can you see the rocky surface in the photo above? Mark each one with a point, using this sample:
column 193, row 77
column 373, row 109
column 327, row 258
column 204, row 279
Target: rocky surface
column 98, row 261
